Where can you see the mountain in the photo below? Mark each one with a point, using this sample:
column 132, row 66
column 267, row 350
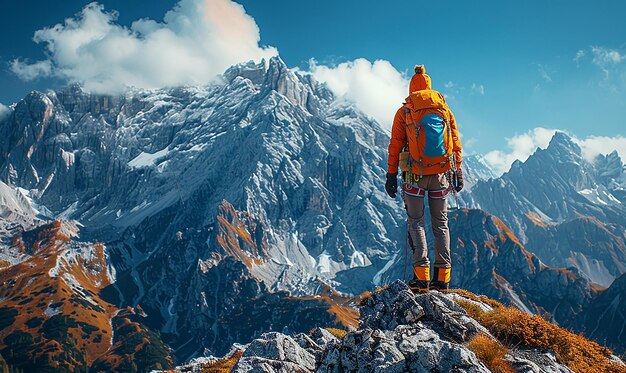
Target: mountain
column 563, row 209
column 197, row 217
column 612, row 173
column 213, row 201
column 475, row 168
column 270, row 142
column 53, row 317
column 435, row 332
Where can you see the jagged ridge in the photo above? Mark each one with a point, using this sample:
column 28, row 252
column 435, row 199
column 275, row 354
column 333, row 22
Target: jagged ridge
column 399, row 331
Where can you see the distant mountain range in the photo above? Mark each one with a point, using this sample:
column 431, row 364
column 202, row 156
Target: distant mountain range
column 196, row 217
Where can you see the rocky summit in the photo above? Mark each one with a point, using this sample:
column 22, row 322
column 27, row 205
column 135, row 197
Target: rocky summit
column 402, row 332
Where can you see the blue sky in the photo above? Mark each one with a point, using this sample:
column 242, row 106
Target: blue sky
column 506, row 67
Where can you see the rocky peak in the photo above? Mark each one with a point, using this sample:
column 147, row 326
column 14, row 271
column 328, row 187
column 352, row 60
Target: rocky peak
column 399, row 332
column 561, row 141
column 273, row 76
column 611, row 170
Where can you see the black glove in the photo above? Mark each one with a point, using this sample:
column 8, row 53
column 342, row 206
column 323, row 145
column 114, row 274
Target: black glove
column 391, row 185
column 458, row 180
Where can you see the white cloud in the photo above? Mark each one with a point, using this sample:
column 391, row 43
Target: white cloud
column 377, row 88
column 197, row 40
column 4, row 111
column 26, row 71
column 594, row 145
column 606, row 56
column 520, row 147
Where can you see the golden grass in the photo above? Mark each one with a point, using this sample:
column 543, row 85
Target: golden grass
column 471, row 308
column 364, row 297
column 515, row 328
column 477, row 298
column 339, row 333
column 491, row 353
column 223, row 365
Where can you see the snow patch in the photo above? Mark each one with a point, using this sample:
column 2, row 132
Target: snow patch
column 147, row 159
column 379, row 274
column 599, row 196
column 51, row 311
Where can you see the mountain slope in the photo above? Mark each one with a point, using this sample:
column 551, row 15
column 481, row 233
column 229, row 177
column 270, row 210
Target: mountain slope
column 603, row 319
column 53, row 316
column 562, row 208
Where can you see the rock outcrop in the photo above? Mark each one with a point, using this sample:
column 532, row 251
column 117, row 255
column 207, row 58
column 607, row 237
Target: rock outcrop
column 398, row 332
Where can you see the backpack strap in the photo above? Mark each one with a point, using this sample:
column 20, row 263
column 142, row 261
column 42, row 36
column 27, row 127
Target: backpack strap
column 408, row 118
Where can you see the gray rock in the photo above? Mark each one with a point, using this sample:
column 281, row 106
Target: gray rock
column 275, row 352
column 446, row 316
column 412, row 349
column 534, row 361
column 323, row 337
column 390, row 307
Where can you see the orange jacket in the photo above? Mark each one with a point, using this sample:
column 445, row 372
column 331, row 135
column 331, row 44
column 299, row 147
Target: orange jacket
column 399, row 140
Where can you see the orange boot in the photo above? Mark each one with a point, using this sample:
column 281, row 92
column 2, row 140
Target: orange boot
column 441, row 280
column 421, row 279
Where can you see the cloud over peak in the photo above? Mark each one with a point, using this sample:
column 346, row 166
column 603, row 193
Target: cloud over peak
column 520, row 147
column 376, row 87
column 197, row 40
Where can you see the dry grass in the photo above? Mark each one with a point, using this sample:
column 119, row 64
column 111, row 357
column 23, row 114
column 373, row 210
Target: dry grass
column 223, row 365
column 339, row 333
column 471, row 308
column 477, row 298
column 491, row 353
column 364, row 296
column 515, row 328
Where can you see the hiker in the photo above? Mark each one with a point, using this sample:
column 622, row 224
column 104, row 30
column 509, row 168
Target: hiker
column 425, row 144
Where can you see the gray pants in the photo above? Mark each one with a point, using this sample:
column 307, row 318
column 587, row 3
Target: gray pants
column 438, row 218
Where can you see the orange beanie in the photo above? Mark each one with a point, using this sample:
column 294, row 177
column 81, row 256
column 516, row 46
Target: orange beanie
column 420, row 80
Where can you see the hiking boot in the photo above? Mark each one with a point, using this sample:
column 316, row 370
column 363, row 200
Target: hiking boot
column 418, row 286
column 421, row 279
column 441, row 280
column 439, row 285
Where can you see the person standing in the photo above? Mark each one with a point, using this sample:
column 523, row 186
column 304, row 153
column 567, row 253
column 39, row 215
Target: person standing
column 425, row 144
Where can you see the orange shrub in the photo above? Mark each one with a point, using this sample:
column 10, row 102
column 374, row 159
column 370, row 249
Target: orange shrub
column 491, row 353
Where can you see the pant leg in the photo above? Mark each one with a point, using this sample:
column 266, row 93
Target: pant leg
column 415, row 220
column 439, row 220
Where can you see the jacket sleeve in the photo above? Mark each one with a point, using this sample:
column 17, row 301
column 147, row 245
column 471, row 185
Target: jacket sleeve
column 456, row 141
column 397, row 142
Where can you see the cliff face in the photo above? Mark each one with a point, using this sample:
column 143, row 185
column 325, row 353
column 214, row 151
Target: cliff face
column 603, row 318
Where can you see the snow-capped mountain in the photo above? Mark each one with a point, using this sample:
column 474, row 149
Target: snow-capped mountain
column 475, row 168
column 266, row 168
column 565, row 209
column 268, row 141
